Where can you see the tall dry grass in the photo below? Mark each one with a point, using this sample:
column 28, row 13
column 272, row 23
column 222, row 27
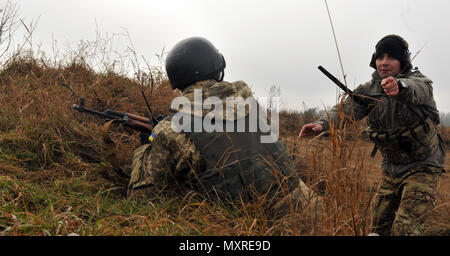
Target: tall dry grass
column 39, row 127
column 52, row 165
column 47, row 148
column 336, row 166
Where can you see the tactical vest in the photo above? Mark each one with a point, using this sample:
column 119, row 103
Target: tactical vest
column 406, row 145
column 416, row 137
column 239, row 167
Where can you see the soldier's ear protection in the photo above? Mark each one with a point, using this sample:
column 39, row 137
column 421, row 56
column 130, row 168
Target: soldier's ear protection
column 372, row 61
column 223, row 70
column 406, row 56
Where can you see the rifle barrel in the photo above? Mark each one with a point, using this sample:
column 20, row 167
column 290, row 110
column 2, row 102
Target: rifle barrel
column 100, row 114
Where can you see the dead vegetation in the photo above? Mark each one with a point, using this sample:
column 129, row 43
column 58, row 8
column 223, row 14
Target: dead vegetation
column 52, row 165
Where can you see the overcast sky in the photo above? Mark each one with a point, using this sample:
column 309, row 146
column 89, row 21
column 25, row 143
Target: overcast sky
column 266, row 42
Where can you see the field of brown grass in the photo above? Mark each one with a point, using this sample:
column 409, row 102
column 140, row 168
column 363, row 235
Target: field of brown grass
column 315, row 155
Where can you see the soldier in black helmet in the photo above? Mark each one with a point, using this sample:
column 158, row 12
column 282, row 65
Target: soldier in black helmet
column 402, row 121
column 228, row 166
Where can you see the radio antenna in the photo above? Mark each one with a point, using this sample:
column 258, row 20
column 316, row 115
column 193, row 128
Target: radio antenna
column 337, row 48
column 148, row 106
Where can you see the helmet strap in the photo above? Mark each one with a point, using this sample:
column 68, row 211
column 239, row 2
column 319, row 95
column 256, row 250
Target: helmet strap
column 223, row 69
column 221, row 76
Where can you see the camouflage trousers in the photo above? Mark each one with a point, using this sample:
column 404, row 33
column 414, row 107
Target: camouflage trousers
column 402, row 203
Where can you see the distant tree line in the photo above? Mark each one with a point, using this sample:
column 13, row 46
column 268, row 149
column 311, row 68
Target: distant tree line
column 291, row 121
column 445, row 119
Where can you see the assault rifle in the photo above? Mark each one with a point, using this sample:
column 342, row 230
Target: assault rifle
column 356, row 98
column 132, row 121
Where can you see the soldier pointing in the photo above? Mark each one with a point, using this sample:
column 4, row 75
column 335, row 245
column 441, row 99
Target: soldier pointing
column 402, row 121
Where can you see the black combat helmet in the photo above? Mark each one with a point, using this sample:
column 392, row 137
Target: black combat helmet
column 194, row 59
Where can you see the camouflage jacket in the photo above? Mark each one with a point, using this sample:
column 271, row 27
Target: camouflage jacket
column 387, row 114
column 173, row 160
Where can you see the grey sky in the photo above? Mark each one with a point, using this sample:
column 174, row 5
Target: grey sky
column 265, row 42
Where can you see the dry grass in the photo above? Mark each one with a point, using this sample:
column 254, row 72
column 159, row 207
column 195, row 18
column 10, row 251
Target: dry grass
column 445, row 134
column 52, row 166
column 349, row 189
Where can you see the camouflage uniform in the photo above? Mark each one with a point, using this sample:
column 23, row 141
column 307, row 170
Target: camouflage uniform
column 411, row 164
column 173, row 160
column 402, row 203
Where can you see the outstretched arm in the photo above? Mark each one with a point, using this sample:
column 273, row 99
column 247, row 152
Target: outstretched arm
column 310, row 130
column 416, row 89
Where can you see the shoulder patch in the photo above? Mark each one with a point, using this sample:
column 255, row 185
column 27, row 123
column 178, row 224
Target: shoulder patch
column 152, row 137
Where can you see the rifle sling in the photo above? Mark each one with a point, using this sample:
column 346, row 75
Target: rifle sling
column 110, row 148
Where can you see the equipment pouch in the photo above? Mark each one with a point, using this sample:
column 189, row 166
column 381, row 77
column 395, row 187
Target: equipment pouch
column 407, row 145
